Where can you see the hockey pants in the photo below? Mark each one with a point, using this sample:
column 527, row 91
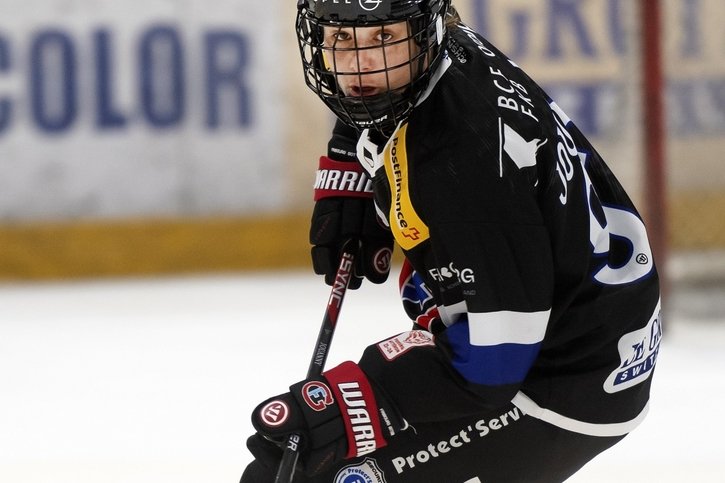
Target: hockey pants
column 500, row 447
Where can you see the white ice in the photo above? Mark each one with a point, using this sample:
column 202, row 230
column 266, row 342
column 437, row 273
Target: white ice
column 153, row 381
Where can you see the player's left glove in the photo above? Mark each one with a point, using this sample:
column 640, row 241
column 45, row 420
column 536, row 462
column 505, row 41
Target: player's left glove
column 340, row 415
column 344, row 209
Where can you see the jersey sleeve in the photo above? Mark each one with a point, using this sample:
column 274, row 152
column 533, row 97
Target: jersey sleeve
column 413, row 369
column 495, row 301
column 488, row 259
column 482, row 283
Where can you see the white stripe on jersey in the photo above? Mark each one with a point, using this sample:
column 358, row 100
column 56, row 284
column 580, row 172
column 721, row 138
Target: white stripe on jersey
column 451, row 313
column 505, row 327
column 528, row 406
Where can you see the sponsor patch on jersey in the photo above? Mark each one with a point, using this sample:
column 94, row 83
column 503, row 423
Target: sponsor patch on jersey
column 366, row 472
column 402, row 343
column 407, row 227
column 638, row 352
column 444, row 274
column 274, row 413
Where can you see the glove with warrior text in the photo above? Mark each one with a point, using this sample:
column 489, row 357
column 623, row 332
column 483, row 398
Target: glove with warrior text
column 339, row 415
column 344, row 209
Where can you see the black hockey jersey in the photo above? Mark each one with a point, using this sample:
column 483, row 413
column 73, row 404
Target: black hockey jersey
column 525, row 256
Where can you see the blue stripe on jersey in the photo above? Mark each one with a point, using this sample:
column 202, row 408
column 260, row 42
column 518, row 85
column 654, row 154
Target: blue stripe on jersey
column 489, row 365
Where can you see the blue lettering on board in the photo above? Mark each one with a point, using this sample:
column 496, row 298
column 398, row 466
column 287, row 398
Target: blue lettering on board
column 67, row 79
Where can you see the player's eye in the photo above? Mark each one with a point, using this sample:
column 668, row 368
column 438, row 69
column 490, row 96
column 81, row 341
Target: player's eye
column 340, row 36
column 385, row 37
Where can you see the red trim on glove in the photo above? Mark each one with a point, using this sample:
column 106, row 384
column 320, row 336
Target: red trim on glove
column 341, row 178
column 358, row 408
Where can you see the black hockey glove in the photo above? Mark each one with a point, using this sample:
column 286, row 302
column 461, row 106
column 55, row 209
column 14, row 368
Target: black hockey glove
column 340, row 415
column 344, row 209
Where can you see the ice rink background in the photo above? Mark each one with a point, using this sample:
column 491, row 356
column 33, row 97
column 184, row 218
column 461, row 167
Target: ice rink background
column 152, row 381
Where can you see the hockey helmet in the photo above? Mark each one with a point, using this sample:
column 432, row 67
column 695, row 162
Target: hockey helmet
column 325, row 74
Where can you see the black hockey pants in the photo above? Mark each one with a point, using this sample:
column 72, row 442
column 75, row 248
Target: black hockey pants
column 500, row 447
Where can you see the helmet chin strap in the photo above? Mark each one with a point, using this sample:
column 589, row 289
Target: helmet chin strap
column 387, row 105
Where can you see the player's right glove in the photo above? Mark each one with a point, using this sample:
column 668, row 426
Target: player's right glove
column 339, row 415
column 344, row 209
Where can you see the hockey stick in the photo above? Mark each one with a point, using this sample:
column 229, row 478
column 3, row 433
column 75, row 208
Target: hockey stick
column 286, row 469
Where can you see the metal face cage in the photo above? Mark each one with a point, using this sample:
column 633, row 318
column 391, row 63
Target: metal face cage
column 337, row 67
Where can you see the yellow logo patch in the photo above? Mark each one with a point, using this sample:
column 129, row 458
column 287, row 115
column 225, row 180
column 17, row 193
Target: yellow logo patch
column 407, row 227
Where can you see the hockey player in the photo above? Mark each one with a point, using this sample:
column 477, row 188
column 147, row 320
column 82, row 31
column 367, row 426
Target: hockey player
column 528, row 273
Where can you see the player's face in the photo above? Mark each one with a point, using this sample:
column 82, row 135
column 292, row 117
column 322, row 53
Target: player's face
column 369, row 61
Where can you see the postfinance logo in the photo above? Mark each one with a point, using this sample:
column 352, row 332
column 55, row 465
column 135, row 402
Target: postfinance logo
column 407, row 227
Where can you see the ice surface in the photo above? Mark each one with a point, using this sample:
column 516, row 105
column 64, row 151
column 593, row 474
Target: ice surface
column 152, row 381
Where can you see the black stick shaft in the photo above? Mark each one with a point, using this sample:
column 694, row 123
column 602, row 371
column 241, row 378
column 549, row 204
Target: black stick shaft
column 286, row 469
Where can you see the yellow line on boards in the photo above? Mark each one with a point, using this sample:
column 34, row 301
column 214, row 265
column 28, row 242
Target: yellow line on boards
column 143, row 247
